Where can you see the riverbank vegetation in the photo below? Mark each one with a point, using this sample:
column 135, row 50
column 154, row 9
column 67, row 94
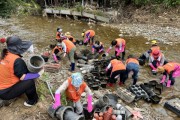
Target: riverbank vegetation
column 7, row 7
column 19, row 7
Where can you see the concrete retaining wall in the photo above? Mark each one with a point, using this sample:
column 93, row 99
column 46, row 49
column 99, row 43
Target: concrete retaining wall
column 79, row 14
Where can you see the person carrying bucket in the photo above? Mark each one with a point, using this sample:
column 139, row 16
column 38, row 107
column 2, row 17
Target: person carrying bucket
column 120, row 45
column 116, row 68
column 73, row 88
column 15, row 78
column 70, row 49
column 132, row 65
column 88, row 37
column 171, row 69
column 97, row 47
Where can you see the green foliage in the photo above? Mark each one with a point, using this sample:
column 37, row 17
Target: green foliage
column 171, row 3
column 17, row 6
column 6, row 7
column 140, row 2
column 79, row 7
column 167, row 3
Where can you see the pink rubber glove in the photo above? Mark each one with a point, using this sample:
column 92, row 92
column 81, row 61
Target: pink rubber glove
column 100, row 50
column 89, row 107
column 158, row 64
column 108, row 50
column 54, row 57
column 118, row 53
column 152, row 67
column 57, row 101
column 176, row 73
column 163, row 79
column 92, row 50
column 86, row 40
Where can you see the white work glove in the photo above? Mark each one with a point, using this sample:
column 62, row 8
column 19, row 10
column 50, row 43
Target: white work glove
column 41, row 72
column 64, row 54
column 107, row 54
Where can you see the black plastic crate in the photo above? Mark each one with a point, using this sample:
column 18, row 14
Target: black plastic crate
column 173, row 105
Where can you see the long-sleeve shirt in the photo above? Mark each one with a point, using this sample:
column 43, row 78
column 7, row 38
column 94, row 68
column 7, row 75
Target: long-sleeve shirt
column 65, row 85
column 160, row 59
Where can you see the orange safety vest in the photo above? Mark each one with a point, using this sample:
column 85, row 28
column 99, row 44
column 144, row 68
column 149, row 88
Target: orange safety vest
column 59, row 48
column 69, row 45
column 120, row 41
column 71, row 92
column 58, row 35
column 153, row 48
column 69, row 36
column 117, row 65
column 170, row 66
column 158, row 58
column 132, row 60
column 92, row 33
column 7, row 76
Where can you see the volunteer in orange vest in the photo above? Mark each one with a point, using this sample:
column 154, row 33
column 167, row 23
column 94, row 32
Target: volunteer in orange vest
column 58, row 48
column 15, row 79
column 69, row 48
column 73, row 88
column 132, row 65
column 97, row 47
column 59, row 34
column 120, row 45
column 89, row 36
column 154, row 46
column 171, row 69
column 70, row 37
column 116, row 68
column 156, row 59
column 145, row 56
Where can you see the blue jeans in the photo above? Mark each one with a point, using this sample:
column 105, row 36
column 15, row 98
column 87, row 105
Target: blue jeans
column 135, row 68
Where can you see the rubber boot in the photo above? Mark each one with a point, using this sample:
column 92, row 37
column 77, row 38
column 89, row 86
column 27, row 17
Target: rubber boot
column 134, row 82
column 120, row 83
column 72, row 66
column 168, row 83
column 110, row 85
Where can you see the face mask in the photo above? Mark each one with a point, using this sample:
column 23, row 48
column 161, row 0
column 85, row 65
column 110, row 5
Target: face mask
column 31, row 49
column 96, row 45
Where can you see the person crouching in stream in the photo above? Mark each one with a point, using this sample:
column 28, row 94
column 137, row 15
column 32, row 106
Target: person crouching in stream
column 74, row 87
column 171, row 69
column 116, row 68
column 132, row 65
column 97, row 47
column 68, row 48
